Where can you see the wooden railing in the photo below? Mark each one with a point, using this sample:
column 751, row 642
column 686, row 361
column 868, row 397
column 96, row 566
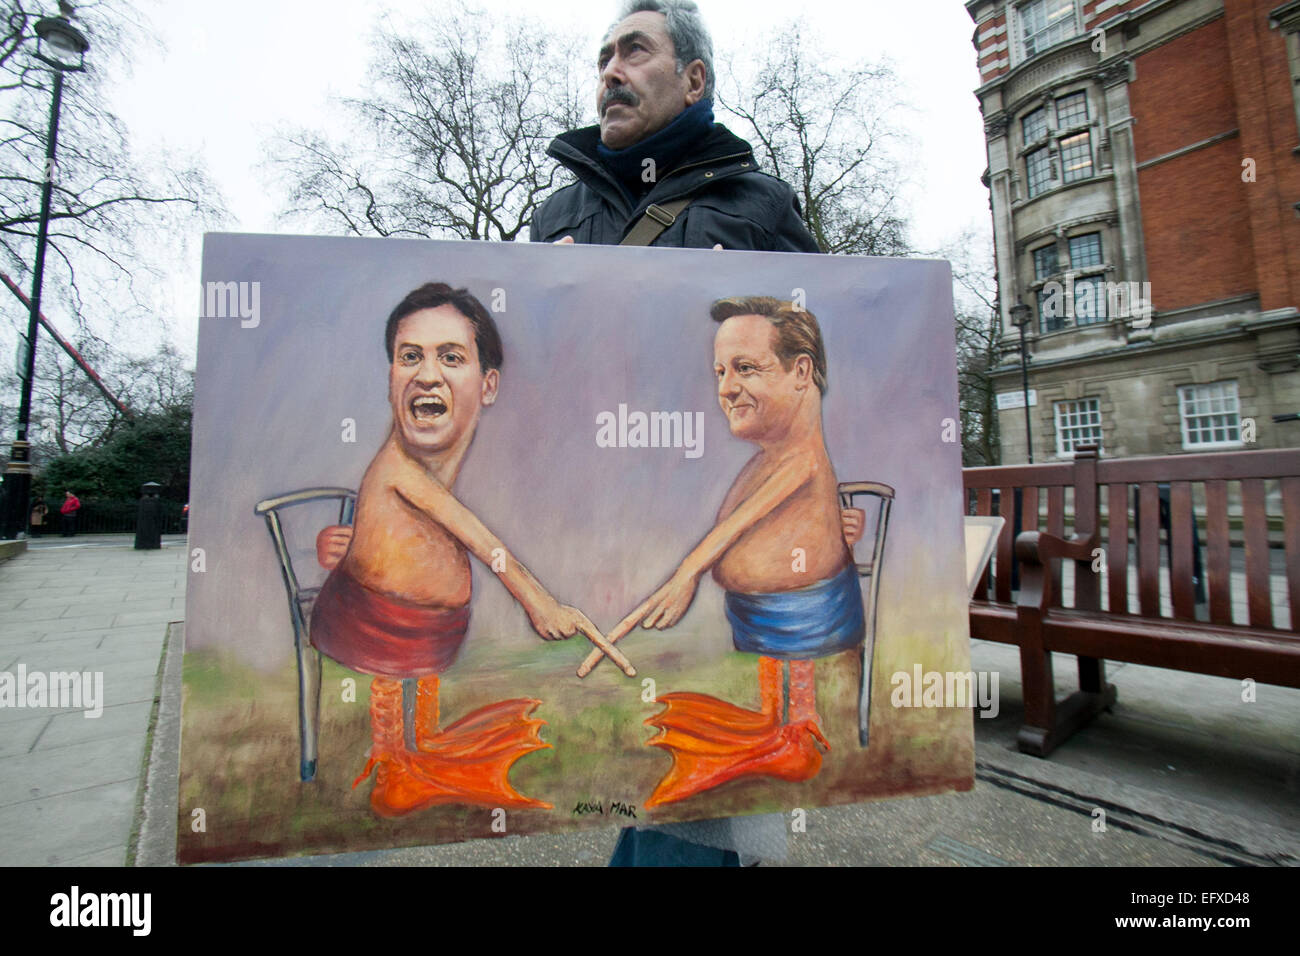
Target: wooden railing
column 1247, row 498
column 1249, row 501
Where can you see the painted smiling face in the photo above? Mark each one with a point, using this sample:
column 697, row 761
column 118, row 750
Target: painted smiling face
column 436, row 386
column 758, row 394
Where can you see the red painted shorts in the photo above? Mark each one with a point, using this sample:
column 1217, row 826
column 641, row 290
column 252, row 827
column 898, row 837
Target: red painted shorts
column 375, row 634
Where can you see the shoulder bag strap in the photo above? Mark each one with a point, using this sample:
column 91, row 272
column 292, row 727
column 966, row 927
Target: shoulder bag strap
column 657, row 218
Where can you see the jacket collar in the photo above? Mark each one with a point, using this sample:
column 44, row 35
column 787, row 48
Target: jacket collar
column 719, row 155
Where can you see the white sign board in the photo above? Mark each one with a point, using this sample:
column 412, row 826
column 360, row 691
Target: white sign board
column 1016, row 399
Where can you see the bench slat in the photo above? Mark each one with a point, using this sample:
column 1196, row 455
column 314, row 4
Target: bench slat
column 1056, row 526
column 1255, row 528
column 994, row 622
column 1117, row 548
column 1218, row 568
column 1007, row 510
column 1271, row 657
column 1180, row 544
column 983, row 508
column 1029, row 512
column 1291, row 526
column 1148, row 549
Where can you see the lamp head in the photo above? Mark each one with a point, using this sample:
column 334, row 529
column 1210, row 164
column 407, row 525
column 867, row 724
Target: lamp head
column 61, row 45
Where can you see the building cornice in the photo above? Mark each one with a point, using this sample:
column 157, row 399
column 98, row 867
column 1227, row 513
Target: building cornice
column 1183, row 151
column 1020, row 204
column 1286, row 17
column 1244, row 330
column 1162, row 39
column 1062, row 51
column 1060, row 229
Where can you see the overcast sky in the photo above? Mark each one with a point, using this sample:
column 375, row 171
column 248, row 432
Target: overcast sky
column 229, row 75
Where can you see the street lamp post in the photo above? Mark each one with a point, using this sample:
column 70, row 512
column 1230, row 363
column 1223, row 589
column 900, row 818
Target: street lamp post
column 61, row 46
column 1020, row 314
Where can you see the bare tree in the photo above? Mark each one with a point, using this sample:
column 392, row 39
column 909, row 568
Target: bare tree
column 830, row 132
column 70, row 414
column 449, row 140
column 978, row 328
column 103, row 197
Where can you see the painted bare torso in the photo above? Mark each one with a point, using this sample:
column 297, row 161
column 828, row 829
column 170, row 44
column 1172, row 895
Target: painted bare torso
column 396, row 549
column 763, row 560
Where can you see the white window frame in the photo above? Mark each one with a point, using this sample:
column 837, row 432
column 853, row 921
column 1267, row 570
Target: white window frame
column 1021, row 22
column 1024, row 126
column 1067, row 172
column 1189, row 396
column 1071, row 242
column 1062, row 411
column 1087, row 113
column 1045, row 153
column 1099, row 301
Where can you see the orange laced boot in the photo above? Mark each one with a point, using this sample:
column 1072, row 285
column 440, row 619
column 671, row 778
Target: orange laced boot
column 712, row 741
column 397, row 789
column 472, row 758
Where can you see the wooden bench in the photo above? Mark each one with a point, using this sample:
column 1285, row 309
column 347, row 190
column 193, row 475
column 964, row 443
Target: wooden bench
column 1201, row 638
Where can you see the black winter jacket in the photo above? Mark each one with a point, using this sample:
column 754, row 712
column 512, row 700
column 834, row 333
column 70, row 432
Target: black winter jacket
column 734, row 203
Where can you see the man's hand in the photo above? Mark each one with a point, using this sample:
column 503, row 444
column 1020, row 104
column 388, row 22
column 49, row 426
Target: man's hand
column 566, row 241
column 852, row 520
column 332, row 544
column 670, row 602
column 662, row 609
column 555, row 621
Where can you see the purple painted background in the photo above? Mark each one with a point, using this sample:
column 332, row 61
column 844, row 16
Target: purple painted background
column 585, row 329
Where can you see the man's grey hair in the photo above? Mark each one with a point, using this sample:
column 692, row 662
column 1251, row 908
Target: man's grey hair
column 691, row 40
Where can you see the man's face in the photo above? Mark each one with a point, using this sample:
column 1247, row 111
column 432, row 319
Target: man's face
column 435, row 385
column 757, row 393
column 640, row 92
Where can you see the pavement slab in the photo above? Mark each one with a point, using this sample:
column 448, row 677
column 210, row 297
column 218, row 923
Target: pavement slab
column 1185, row 772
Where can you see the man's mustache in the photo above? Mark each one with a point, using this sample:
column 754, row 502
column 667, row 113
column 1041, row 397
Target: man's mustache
column 618, row 94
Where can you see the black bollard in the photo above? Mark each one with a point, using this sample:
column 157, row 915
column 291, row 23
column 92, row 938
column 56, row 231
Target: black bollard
column 149, row 521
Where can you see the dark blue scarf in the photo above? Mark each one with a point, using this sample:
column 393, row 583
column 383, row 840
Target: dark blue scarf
column 667, row 148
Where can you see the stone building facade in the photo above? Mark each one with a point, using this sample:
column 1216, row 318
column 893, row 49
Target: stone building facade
column 1144, row 178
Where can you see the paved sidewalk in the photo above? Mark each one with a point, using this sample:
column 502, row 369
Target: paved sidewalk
column 1185, row 772
column 69, row 783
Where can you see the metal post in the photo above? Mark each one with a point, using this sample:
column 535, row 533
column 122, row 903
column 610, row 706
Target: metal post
column 18, row 475
column 1024, row 376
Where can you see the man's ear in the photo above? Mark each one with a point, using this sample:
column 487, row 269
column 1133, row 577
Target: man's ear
column 491, row 382
column 802, row 371
column 696, row 75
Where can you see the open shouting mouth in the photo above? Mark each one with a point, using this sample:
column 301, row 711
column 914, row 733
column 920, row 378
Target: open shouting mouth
column 428, row 408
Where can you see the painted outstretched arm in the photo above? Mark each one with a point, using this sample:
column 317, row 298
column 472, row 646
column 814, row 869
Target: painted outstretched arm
column 550, row 619
column 665, row 607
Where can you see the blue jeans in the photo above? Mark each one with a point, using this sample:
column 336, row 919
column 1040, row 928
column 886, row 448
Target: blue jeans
column 648, row 848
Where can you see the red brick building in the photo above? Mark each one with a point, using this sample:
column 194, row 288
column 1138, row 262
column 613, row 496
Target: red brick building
column 1144, row 176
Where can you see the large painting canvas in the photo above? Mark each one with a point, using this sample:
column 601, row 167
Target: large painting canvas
column 500, row 538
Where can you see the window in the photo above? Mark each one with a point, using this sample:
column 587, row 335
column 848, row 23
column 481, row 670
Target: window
column 1077, row 423
column 1085, row 250
column 1076, row 157
column 1210, row 414
column 1038, row 169
column 1051, row 308
column 1034, row 125
column 1045, row 261
column 1286, row 19
column 1089, row 301
column 1072, row 110
column 1044, row 23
